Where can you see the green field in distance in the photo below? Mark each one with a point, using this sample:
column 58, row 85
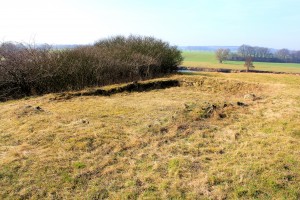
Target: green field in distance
column 208, row 59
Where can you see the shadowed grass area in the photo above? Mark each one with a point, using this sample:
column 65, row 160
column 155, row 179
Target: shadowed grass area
column 207, row 59
column 202, row 140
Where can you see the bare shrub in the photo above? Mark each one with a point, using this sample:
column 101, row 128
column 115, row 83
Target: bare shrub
column 29, row 70
column 155, row 55
column 248, row 63
column 21, row 67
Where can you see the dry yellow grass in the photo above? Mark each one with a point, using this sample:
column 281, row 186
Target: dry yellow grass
column 187, row 142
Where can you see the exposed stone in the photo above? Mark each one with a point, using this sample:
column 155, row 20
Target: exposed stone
column 241, row 104
column 250, row 97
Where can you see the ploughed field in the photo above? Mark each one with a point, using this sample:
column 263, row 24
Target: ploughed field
column 208, row 136
column 206, row 59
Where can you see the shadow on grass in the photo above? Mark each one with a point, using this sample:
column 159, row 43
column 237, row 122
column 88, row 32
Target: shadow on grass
column 194, row 73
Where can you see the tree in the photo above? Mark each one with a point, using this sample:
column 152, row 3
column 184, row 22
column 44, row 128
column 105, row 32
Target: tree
column 264, row 52
column 283, row 54
column 248, row 63
column 295, row 56
column 246, row 50
column 222, row 54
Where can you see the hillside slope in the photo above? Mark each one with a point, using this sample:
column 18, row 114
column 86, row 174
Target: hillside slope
column 215, row 136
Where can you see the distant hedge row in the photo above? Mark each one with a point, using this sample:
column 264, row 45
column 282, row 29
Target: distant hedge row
column 26, row 70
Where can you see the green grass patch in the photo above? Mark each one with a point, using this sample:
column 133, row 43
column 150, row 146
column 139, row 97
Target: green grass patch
column 208, row 59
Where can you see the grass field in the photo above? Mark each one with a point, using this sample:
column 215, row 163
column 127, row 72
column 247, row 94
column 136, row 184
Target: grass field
column 202, row 140
column 207, row 59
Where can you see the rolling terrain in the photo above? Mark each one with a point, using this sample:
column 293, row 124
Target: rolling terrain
column 212, row 136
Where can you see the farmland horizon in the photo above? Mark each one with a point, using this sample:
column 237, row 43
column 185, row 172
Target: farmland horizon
column 149, row 99
column 212, row 48
column 183, row 47
column 220, row 22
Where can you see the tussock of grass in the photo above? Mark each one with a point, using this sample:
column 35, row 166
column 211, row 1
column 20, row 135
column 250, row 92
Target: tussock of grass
column 157, row 144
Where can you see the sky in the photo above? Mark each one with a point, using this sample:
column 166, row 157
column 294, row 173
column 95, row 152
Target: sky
column 267, row 23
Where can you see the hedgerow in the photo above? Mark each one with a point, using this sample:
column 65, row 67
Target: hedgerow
column 33, row 70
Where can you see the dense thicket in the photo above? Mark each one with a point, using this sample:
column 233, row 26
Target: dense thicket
column 27, row 70
column 263, row 54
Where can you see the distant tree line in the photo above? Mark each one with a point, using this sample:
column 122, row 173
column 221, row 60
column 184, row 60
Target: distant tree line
column 263, row 54
column 32, row 70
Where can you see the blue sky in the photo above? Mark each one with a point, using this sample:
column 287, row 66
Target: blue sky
column 269, row 23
